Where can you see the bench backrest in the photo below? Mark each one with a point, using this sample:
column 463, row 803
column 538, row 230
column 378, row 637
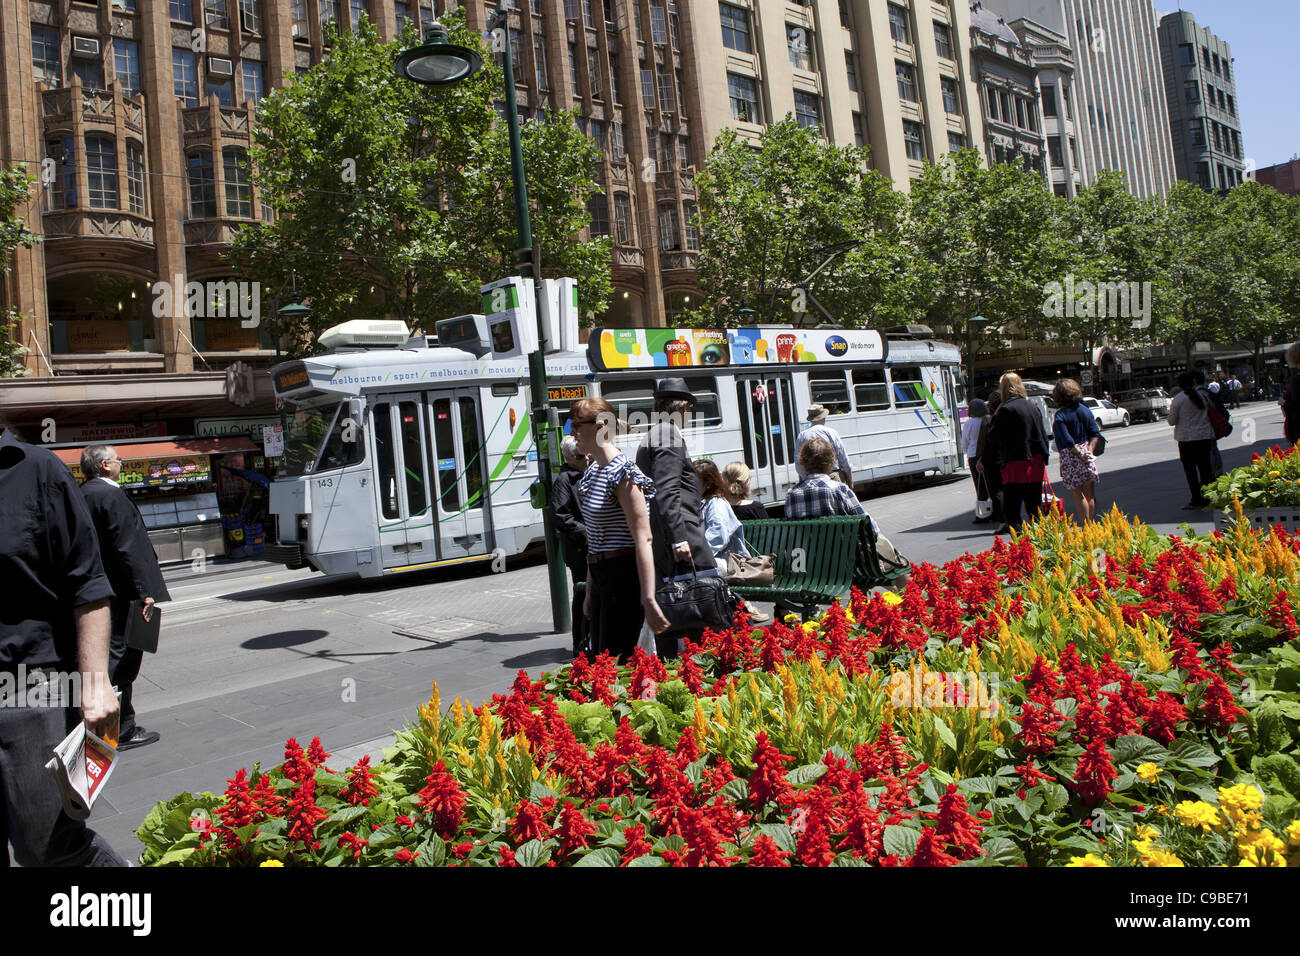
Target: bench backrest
column 827, row 548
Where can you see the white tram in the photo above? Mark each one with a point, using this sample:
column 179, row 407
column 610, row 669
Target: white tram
column 416, row 455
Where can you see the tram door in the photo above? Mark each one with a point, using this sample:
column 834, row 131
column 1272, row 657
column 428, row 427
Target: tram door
column 460, row 463
column 406, row 533
column 768, row 433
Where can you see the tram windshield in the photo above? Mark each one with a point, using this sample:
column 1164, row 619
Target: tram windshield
column 321, row 437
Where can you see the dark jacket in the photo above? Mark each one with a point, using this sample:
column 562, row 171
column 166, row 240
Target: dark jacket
column 568, row 520
column 129, row 558
column 1291, row 409
column 1017, row 434
column 676, row 509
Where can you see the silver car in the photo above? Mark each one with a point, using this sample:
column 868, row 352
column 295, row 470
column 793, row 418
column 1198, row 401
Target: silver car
column 1144, row 404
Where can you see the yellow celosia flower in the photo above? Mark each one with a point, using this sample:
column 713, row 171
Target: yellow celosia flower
column 1148, row 772
column 1089, row 860
column 1197, row 813
column 270, row 863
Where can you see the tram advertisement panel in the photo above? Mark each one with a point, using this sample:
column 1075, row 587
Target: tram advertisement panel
column 610, row 349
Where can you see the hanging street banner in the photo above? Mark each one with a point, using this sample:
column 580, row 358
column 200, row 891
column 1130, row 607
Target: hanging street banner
column 612, row 349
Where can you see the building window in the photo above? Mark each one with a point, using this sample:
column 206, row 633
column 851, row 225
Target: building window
column 1218, row 68
column 616, row 79
column 180, row 11
column 329, row 13
column 1196, row 130
column 101, row 172
column 617, row 149
column 1203, row 175
column 239, row 192
column 1205, row 57
column 1192, row 90
column 674, row 27
column 250, row 16
column 799, row 43
column 647, row 87
column 185, row 77
column 906, row 81
column 859, row 136
column 594, row 73
column 851, row 70
column 993, row 103
column 658, row 25
column 623, row 219
column 223, row 90
column 898, row 24
column 1236, row 144
column 691, row 216
column 670, row 232
column 298, row 16
column 912, row 139
column 681, row 93
column 90, row 72
column 402, row 14
column 575, row 82
column 63, row 190
column 1054, row 151
column 570, row 9
column 126, row 66
column 1049, row 100
column 743, row 93
column 956, row 142
column 135, row 178
column 216, row 15
column 1185, row 55
column 1227, row 69
column 355, row 10
column 846, row 19
column 943, row 40
column 949, row 87
column 598, row 134
column 684, row 151
column 47, row 66
column 667, row 99
column 1222, row 101
column 735, row 28
column 1065, row 96
column 254, row 82
column 807, row 110
column 203, row 185
column 1021, row 120
column 598, row 210
column 667, row 150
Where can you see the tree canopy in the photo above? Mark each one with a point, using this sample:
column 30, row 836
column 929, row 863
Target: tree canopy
column 15, row 191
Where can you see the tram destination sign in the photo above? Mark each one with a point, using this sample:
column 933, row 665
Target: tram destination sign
column 565, row 393
column 613, row 349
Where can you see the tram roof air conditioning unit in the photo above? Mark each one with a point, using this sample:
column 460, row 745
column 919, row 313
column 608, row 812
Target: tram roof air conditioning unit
column 366, row 333
column 219, row 66
column 85, row 46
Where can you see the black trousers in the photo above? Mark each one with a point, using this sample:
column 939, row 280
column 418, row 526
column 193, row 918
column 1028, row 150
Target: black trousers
column 579, row 574
column 616, row 612
column 123, row 668
column 1198, row 465
column 1016, row 493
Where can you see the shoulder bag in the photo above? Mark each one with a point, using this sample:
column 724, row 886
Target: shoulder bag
column 694, row 603
column 755, row 570
column 1218, row 418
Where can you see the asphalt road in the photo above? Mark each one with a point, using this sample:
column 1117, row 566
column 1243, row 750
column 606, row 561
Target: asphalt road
column 253, row 654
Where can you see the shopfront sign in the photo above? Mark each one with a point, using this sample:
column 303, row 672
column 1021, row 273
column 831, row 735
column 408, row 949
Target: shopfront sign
column 98, row 335
column 222, row 427
column 273, row 440
column 159, row 472
column 105, row 434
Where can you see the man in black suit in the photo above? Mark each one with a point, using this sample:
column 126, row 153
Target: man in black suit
column 676, row 510
column 132, row 568
column 573, row 533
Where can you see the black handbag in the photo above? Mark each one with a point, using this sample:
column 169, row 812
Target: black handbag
column 695, row 603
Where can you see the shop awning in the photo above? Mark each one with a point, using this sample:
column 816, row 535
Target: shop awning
column 163, row 449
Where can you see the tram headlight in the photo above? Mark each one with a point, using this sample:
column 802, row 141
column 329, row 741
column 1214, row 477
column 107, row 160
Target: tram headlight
column 303, row 521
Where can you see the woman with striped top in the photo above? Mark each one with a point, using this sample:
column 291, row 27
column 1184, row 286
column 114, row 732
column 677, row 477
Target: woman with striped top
column 620, row 563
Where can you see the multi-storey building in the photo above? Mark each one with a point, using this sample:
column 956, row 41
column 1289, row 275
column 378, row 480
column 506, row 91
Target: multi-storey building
column 1202, row 96
column 1119, row 102
column 1053, row 63
column 1003, row 69
column 1284, row 177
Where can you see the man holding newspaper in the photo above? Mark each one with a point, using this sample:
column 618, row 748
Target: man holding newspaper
column 54, row 619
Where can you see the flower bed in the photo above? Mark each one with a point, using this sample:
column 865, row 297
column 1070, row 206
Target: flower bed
column 1271, row 482
column 1094, row 696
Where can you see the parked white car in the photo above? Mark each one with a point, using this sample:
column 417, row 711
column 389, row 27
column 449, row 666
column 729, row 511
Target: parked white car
column 1106, row 413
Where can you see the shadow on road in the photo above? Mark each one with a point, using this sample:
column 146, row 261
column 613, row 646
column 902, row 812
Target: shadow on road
column 280, row 639
column 549, row 655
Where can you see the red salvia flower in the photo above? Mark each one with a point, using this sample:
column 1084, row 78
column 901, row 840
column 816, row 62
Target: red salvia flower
column 768, row 783
column 1220, row 707
column 350, row 841
column 361, row 787
column 1030, row 776
column 636, row 844
column 403, row 855
column 297, row 765
column 443, row 799
column 303, row 815
column 316, row 754
column 529, row 823
column 506, row 856
column 767, row 853
column 954, row 827
column 574, row 829
column 1094, row 773
column 929, row 852
column 1161, row 716
column 1281, row 616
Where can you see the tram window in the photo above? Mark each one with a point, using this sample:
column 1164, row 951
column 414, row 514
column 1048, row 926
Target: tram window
column 870, row 390
column 633, row 401
column 829, row 389
column 384, row 466
column 307, row 430
column 417, row 502
column 780, row 417
column 754, row 446
column 444, row 451
column 473, row 453
column 345, row 445
column 909, row 390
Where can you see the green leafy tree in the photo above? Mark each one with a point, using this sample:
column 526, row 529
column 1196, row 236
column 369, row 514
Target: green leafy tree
column 393, row 198
column 15, row 191
column 772, row 212
column 987, row 241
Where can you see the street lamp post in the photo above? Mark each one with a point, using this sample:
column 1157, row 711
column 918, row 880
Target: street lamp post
column 438, row 63
column 294, row 311
column 970, row 354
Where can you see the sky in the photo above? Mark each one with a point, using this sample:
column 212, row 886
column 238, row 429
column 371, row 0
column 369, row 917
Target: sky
column 1262, row 35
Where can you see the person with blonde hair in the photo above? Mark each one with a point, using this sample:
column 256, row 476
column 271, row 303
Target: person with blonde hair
column 1077, row 434
column 1291, row 396
column 737, row 476
column 612, row 493
column 1018, row 443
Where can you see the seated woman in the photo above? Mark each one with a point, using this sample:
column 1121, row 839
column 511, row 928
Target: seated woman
column 721, row 526
column 736, row 475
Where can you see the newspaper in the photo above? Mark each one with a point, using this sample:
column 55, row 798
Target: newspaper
column 81, row 765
